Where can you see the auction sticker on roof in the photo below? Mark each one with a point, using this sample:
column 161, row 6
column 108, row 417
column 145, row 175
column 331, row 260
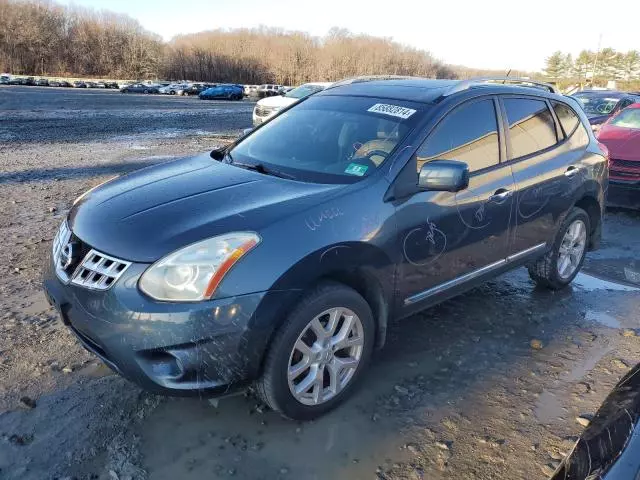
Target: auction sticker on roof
column 393, row 110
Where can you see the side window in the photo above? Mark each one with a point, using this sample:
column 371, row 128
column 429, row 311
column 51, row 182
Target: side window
column 531, row 126
column 468, row 134
column 568, row 118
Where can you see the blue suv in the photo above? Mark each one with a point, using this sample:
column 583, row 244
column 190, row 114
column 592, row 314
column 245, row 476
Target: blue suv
column 278, row 261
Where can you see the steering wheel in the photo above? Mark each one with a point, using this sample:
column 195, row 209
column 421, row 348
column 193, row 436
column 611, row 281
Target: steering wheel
column 603, row 108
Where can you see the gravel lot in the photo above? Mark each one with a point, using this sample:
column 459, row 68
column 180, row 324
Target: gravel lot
column 487, row 385
column 54, row 115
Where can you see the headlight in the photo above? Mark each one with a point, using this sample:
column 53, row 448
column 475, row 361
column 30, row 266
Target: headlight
column 193, row 273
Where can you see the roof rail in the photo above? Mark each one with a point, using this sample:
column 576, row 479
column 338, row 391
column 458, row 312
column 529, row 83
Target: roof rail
column 369, row 78
column 466, row 84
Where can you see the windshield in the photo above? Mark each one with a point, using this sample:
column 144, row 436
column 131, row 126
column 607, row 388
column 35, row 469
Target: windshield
column 329, row 139
column 304, row 91
column 597, row 104
column 629, row 118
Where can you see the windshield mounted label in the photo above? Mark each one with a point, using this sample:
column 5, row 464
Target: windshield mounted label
column 393, row 110
column 356, row 169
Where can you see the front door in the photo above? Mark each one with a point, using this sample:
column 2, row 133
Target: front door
column 443, row 235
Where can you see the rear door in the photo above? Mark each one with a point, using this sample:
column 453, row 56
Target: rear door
column 543, row 168
column 444, row 236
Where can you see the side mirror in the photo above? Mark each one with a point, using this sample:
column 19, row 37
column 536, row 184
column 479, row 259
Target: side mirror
column 218, row 154
column 444, row 175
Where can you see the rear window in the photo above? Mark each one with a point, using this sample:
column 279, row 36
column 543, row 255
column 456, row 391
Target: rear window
column 531, row 126
column 568, row 118
column 330, row 139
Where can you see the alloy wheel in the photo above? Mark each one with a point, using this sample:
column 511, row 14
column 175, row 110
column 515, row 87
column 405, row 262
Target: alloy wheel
column 325, row 356
column 572, row 249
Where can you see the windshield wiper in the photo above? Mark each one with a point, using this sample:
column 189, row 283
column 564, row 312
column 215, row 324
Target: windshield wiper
column 260, row 168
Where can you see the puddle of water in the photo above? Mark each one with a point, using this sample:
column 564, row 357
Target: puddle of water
column 548, row 407
column 591, row 359
column 602, row 318
column 590, row 283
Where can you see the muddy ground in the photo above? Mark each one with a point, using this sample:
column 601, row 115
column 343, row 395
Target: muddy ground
column 487, row 385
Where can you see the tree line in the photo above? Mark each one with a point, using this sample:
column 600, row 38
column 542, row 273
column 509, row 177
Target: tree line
column 272, row 55
column 42, row 37
column 606, row 64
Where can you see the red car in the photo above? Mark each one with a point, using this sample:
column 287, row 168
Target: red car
column 621, row 135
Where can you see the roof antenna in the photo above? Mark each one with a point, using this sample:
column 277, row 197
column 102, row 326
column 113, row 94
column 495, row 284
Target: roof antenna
column 508, row 73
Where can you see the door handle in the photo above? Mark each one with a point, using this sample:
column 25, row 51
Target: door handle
column 500, row 195
column 571, row 171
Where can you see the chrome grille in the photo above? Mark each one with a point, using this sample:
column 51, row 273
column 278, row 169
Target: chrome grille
column 81, row 265
column 61, row 239
column 98, row 271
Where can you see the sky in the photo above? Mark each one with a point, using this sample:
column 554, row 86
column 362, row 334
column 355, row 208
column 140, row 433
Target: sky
column 494, row 34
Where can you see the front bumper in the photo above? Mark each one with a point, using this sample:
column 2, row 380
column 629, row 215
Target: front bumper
column 209, row 348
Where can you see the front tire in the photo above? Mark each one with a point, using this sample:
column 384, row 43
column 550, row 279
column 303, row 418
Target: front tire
column 561, row 264
column 319, row 353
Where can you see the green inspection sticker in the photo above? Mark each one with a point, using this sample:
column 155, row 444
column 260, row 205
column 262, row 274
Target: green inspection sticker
column 356, row 169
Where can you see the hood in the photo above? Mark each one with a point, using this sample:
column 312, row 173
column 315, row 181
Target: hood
column 597, row 119
column 143, row 216
column 277, row 101
column 623, row 143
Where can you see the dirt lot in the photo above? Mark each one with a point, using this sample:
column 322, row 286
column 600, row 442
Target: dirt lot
column 459, row 391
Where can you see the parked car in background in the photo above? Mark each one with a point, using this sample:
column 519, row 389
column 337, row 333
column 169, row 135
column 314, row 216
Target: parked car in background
column 29, row 81
column 113, row 85
column 42, row 82
column 600, row 105
column 268, row 107
column 194, row 89
column 16, row 81
column 268, row 90
column 79, row 84
column 174, row 88
column 227, row 91
column 140, row 88
column 5, row 79
column 290, row 250
column 621, row 135
column 250, row 90
column 101, row 85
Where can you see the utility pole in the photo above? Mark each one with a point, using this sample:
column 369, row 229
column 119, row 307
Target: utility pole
column 595, row 61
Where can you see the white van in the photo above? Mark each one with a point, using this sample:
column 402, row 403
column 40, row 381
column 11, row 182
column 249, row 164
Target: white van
column 268, row 107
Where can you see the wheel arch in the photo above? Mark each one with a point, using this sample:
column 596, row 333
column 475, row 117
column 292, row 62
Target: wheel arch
column 590, row 204
column 358, row 265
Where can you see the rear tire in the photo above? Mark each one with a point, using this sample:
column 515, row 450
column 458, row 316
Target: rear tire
column 330, row 380
column 561, row 264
